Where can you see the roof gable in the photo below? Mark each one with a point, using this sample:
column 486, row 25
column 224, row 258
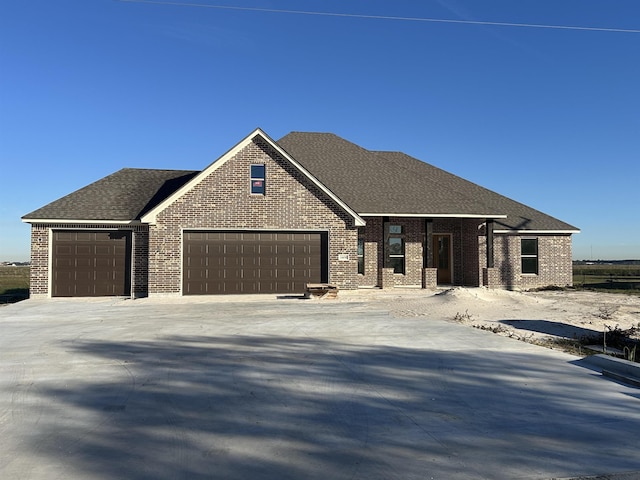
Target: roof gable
column 151, row 215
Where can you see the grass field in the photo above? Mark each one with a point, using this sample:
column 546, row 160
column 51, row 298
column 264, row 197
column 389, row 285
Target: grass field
column 613, row 278
column 14, row 283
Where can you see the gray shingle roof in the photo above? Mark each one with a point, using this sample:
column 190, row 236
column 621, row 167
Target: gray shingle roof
column 367, row 181
column 393, row 182
column 122, row 196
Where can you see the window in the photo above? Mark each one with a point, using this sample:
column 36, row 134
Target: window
column 529, row 254
column 361, row 255
column 395, row 249
column 257, row 179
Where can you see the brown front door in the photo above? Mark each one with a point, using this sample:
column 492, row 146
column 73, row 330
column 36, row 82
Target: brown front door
column 442, row 258
column 253, row 262
column 91, row 263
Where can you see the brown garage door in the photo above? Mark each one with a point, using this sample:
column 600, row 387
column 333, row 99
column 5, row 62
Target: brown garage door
column 253, row 262
column 91, row 264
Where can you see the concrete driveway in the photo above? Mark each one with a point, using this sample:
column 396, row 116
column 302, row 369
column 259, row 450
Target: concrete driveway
column 265, row 388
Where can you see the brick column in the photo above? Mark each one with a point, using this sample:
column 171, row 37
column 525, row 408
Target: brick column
column 387, row 278
column 429, row 277
column 39, row 270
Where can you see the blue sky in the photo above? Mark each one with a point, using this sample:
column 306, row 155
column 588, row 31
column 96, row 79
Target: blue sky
column 549, row 117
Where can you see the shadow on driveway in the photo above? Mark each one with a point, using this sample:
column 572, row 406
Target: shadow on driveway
column 283, row 407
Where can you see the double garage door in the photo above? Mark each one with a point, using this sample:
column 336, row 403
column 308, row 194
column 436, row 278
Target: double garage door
column 253, row 262
column 91, row 263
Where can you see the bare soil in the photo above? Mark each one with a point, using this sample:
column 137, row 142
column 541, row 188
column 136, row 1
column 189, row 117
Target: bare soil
column 549, row 318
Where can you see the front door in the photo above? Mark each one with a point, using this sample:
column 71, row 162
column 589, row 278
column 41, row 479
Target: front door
column 442, row 258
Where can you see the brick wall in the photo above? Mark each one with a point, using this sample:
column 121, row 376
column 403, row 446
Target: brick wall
column 39, row 271
column 223, row 201
column 554, row 262
column 140, row 262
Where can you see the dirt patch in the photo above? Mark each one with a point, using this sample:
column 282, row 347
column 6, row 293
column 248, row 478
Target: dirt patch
column 550, row 318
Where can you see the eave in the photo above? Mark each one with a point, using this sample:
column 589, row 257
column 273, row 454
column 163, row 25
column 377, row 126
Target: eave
column 433, row 215
column 79, row 221
column 538, row 232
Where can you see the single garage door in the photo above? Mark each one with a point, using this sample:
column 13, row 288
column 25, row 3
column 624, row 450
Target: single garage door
column 91, row 263
column 253, row 262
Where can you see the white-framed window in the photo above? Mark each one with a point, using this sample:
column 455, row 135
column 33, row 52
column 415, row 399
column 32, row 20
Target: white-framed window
column 258, row 177
column 529, row 255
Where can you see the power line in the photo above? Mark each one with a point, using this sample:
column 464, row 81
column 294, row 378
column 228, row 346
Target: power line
column 387, row 17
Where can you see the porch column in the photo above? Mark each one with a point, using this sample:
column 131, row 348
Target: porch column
column 429, row 273
column 428, row 243
column 489, row 228
column 386, row 274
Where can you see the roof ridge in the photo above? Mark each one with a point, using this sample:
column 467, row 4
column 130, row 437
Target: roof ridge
column 156, row 169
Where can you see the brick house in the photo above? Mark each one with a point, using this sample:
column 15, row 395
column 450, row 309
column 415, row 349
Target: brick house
column 269, row 217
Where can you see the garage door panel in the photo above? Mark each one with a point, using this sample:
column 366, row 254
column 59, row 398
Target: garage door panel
column 83, row 263
column 83, row 249
column 104, row 250
column 63, row 263
column 85, row 236
column 197, row 274
column 65, row 236
column 255, row 262
column 193, row 261
column 63, row 250
column 91, row 263
column 81, row 290
column 65, row 276
column 105, row 262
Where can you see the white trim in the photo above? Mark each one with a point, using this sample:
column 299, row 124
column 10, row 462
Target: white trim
column 81, row 222
column 182, row 269
column 50, row 265
column 249, row 230
column 431, row 215
column 151, row 216
column 537, row 232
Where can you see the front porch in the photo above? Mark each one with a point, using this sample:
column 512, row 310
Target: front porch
column 426, row 252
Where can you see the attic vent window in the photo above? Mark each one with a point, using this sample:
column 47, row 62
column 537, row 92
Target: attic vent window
column 257, row 179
